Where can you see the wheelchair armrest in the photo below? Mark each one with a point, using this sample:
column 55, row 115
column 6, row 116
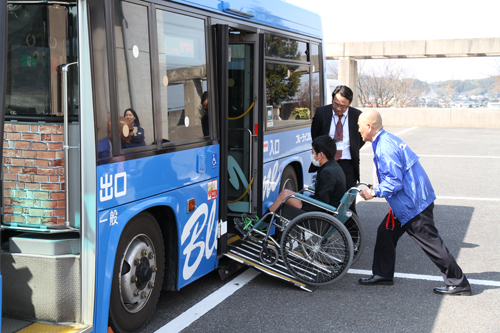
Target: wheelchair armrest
column 340, row 214
column 315, row 202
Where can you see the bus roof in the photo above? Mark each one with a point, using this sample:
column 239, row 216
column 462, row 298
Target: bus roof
column 273, row 13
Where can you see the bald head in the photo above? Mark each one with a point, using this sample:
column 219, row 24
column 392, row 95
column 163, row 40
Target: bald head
column 369, row 123
column 373, row 118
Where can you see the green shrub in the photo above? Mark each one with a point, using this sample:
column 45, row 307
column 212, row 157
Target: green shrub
column 302, row 113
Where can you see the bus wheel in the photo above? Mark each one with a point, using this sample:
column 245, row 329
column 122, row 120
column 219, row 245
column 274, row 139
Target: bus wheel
column 289, row 180
column 137, row 275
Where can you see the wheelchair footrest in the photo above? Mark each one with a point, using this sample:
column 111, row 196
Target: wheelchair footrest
column 247, row 252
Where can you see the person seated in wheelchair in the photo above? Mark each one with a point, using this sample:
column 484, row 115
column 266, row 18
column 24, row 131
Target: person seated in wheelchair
column 329, row 188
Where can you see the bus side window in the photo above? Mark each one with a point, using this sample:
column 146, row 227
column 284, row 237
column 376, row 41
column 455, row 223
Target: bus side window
column 291, row 67
column 133, row 72
column 183, row 75
column 315, row 74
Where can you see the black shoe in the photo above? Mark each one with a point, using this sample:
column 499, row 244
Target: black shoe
column 454, row 290
column 375, row 280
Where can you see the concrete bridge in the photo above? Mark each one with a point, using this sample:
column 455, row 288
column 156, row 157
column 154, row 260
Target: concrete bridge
column 349, row 52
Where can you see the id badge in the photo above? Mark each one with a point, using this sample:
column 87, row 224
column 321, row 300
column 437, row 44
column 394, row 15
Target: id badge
column 340, row 145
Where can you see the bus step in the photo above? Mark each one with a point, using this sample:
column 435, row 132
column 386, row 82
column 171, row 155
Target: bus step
column 11, row 325
column 247, row 252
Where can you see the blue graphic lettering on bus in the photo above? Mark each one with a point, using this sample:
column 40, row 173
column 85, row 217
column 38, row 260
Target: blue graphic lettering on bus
column 271, row 179
column 113, row 185
column 127, row 181
column 280, row 145
column 194, row 247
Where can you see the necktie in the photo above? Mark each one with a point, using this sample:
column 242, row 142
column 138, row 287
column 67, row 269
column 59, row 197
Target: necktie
column 339, row 137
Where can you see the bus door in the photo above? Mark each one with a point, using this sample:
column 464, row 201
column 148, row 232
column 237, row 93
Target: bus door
column 3, row 75
column 243, row 125
column 239, row 82
column 39, row 97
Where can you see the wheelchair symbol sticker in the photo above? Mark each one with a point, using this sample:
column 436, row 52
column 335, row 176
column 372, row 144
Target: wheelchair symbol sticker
column 214, row 161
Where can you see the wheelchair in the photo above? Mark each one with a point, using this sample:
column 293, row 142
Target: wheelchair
column 317, row 247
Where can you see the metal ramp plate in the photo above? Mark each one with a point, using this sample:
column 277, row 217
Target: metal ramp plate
column 247, row 252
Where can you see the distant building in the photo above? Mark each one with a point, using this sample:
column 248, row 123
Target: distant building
column 494, row 105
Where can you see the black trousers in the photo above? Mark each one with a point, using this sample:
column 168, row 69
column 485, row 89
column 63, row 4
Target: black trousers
column 423, row 231
column 351, row 178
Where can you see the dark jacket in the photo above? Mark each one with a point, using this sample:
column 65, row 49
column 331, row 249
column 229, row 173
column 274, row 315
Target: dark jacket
column 321, row 125
column 330, row 185
column 137, row 140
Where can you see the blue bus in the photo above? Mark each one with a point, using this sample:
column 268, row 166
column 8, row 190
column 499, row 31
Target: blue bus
column 134, row 133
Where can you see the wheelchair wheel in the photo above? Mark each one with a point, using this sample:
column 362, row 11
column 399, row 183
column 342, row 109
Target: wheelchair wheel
column 269, row 256
column 357, row 232
column 316, row 248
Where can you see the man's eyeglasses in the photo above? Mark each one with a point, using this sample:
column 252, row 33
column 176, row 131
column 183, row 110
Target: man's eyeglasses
column 340, row 106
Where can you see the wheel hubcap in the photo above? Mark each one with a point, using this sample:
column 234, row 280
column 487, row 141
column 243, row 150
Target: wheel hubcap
column 138, row 273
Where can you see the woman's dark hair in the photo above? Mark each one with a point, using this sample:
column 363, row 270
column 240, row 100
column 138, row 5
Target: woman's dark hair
column 326, row 145
column 344, row 91
column 136, row 121
column 204, row 97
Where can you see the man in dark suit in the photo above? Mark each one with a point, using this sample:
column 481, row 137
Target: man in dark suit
column 340, row 121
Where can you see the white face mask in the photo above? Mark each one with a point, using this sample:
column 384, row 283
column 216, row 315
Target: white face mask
column 313, row 161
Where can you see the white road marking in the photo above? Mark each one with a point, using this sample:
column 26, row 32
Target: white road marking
column 426, row 277
column 218, row 296
column 468, row 198
column 208, row 303
column 406, row 130
column 451, row 156
column 460, row 156
column 368, row 144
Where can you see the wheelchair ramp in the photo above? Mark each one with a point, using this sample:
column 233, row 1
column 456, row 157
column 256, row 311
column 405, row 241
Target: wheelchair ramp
column 247, row 252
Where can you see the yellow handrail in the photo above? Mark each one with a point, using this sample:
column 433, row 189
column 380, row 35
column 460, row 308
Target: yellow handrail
column 250, row 108
column 248, row 188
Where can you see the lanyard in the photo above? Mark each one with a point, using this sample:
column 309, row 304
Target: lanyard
column 342, row 129
column 390, row 217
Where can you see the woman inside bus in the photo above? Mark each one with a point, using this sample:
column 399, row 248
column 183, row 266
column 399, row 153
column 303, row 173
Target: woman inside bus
column 137, row 132
column 204, row 119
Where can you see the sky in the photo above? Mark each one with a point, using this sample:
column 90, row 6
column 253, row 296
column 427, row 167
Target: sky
column 387, row 20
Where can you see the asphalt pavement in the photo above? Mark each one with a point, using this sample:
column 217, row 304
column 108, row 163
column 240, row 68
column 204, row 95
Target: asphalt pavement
column 464, row 168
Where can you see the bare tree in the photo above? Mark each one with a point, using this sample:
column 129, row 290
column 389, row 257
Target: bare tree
column 496, row 76
column 448, row 90
column 375, row 84
column 334, row 69
column 385, row 83
column 404, row 87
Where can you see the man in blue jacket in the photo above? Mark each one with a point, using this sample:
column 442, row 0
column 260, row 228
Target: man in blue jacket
column 406, row 187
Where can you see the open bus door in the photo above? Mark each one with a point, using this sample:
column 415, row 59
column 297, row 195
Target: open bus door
column 3, row 75
column 42, row 258
column 240, row 92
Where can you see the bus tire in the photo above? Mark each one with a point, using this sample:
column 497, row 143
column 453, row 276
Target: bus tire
column 289, row 180
column 138, row 274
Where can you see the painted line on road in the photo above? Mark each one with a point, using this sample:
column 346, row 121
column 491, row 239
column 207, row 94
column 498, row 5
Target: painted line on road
column 218, row 296
column 460, row 156
column 451, row 156
column 468, row 198
column 426, row 277
column 406, row 130
column 208, row 303
column 396, row 134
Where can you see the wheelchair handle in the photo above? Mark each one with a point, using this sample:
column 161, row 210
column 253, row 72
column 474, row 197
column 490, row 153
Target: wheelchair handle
column 356, row 188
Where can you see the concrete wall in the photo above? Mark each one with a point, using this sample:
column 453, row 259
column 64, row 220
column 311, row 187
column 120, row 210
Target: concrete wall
column 440, row 117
